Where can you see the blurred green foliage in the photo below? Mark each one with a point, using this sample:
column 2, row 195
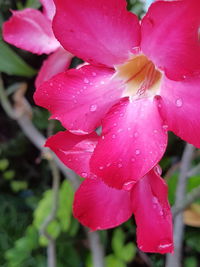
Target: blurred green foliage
column 25, row 185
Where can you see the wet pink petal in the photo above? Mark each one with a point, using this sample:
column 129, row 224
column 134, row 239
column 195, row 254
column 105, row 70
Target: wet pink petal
column 179, row 106
column 170, row 37
column 79, row 98
column 73, row 150
column 133, row 141
column 30, row 30
column 48, row 8
column 97, row 31
column 99, row 207
column 152, row 214
column 57, row 62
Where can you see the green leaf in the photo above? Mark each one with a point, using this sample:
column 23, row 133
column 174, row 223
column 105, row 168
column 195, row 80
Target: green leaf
column 66, row 197
column 9, row 175
column 190, row 262
column 112, row 261
column 12, row 64
column 18, row 185
column 127, row 252
column 172, row 183
column 118, row 240
column 33, row 4
column 193, row 182
column 4, row 163
column 53, row 230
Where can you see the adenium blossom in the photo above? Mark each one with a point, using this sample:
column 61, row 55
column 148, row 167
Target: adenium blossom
column 31, row 30
column 99, row 206
column 142, row 80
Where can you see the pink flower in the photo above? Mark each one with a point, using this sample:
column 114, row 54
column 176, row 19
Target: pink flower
column 31, row 30
column 143, row 80
column 98, row 206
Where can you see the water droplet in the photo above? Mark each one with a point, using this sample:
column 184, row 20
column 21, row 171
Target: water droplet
column 158, row 170
column 113, row 136
column 120, row 165
column 119, row 130
column 133, row 159
column 93, row 108
column 128, row 185
column 155, row 131
column 51, row 84
column 136, row 134
column 137, row 151
column 84, row 174
column 103, row 137
column 165, row 126
column 165, row 244
column 128, row 128
column 102, row 82
column 94, row 74
column 108, row 164
column 86, row 80
column 115, row 124
column 101, row 168
column 179, row 102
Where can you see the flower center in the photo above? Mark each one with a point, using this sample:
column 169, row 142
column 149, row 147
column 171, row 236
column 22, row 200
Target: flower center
column 140, row 76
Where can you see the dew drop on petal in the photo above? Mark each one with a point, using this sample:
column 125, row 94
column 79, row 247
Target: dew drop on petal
column 86, row 80
column 179, row 102
column 136, row 134
column 113, row 136
column 84, row 174
column 164, row 244
column 158, row 170
column 119, row 165
column 119, row 130
column 101, row 168
column 128, row 185
column 93, row 108
column 165, row 126
column 137, row 151
column 133, row 159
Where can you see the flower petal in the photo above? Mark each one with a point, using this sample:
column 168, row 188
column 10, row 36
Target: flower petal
column 152, row 214
column 73, row 150
column 179, row 107
column 133, row 141
column 97, row 31
column 175, row 49
column 79, row 98
column 48, row 8
column 57, row 62
column 99, row 207
column 30, row 30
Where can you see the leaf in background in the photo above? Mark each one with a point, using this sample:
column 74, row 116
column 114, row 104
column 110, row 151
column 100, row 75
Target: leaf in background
column 53, row 230
column 112, row 261
column 191, row 216
column 18, row 185
column 193, row 182
column 12, row 64
column 43, row 209
column 32, row 4
column 4, row 163
column 190, row 262
column 172, row 182
column 127, row 252
column 65, row 205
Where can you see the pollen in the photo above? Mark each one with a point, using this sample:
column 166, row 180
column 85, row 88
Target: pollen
column 140, row 76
